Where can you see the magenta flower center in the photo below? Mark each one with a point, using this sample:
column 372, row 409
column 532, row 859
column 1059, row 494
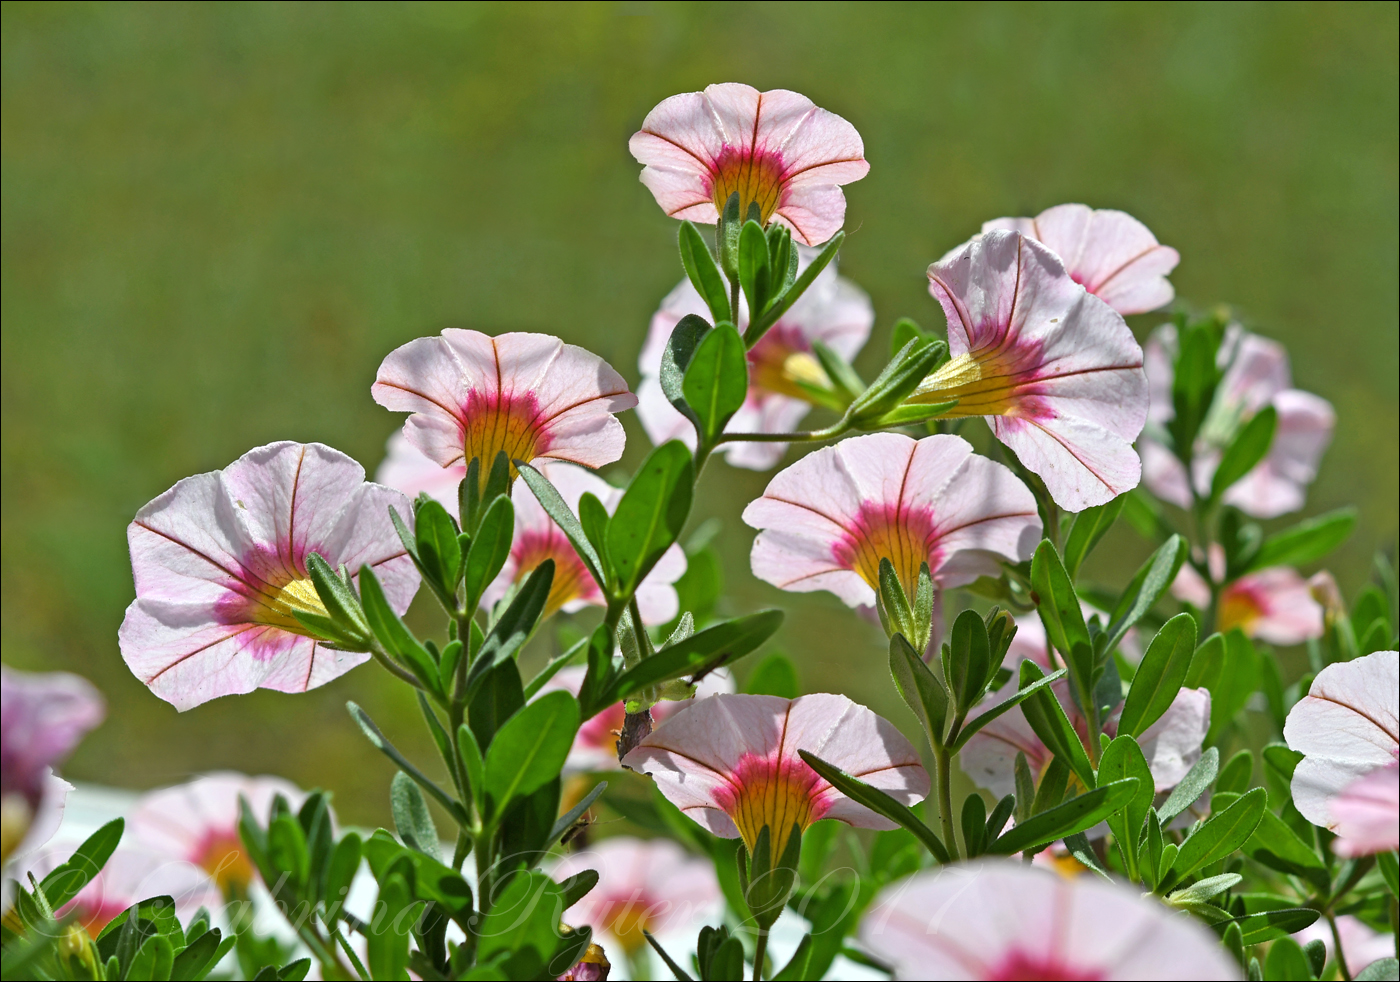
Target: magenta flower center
column 1017, row 965
column 1241, row 605
column 756, row 174
column 270, row 589
column 907, row 538
column 572, row 581
column 493, row 422
column 777, row 792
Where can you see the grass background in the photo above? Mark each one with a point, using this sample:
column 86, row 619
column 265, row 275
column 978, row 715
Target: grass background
column 217, row 219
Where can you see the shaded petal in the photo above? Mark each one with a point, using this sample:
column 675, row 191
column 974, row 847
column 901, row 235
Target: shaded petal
column 409, row 470
column 1083, row 464
column 1172, row 745
column 1366, row 815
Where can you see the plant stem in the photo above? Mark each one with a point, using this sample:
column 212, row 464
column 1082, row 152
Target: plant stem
column 800, row 436
column 394, row 669
column 1337, row 947
column 944, row 768
column 760, row 950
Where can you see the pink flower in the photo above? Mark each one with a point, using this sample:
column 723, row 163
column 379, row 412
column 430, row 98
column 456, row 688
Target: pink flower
column 998, row 919
column 1053, row 369
column 731, row 763
column 197, row 823
column 1256, row 374
column 1274, row 605
column 1346, row 727
column 595, row 744
column 1360, row 944
column 1172, row 744
column 530, row 395
column 42, row 718
column 406, row 468
column 1366, row 815
column 776, row 149
column 220, row 568
column 829, row 519
column 643, row 885
column 833, row 310
column 1109, row 253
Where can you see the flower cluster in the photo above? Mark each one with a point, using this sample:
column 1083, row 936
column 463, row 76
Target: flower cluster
column 1185, row 803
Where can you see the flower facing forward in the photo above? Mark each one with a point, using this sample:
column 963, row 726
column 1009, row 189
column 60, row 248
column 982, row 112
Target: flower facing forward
column 828, row 520
column 1109, row 253
column 1255, row 374
column 197, row 823
column 833, row 311
column 1275, row 604
column 529, row 395
column 220, row 568
column 42, row 718
column 643, row 885
column 1347, row 729
column 1053, row 369
column 1171, row 745
column 998, row 919
column 777, row 149
column 731, row 763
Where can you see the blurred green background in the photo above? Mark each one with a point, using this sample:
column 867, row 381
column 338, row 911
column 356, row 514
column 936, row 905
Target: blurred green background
column 218, row 218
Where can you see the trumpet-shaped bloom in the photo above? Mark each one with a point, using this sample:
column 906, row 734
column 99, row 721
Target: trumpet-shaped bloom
column 1347, row 726
column 595, row 743
column 829, row 519
column 1172, row 744
column 1053, row 369
column 220, row 568
column 643, row 885
column 776, row 149
column 529, row 395
column 1109, row 253
column 42, row 718
column 406, row 468
column 197, row 823
column 731, row 763
column 999, row 919
column 1366, row 815
column 1255, row 374
column 833, row 310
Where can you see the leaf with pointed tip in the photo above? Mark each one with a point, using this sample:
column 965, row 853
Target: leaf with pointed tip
column 704, row 275
column 877, row 801
column 1160, row 675
column 554, row 506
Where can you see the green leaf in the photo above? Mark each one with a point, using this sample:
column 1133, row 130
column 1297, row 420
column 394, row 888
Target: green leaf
column 898, row 379
column 439, row 552
column 1269, row 924
column 919, row 688
column 337, row 597
column 974, row 824
column 959, row 739
column 496, row 701
column 1075, row 815
column 680, row 346
column 555, row 507
column 376, row 737
column 1206, row 664
column 1238, row 680
column 198, row 957
column 716, row 380
column 286, row 849
column 64, row 883
column 1286, row 961
column 651, row 514
column 1221, row 834
column 675, row 969
column 1159, row 675
column 1235, row 775
column 759, row 324
column 1047, row 718
column 703, row 273
column 566, row 821
column 520, row 932
column 838, row 370
column 341, row 870
column 1191, row 787
column 1277, row 846
column 775, row 676
column 154, row 959
column 1202, row 890
column 1248, row 447
column 388, row 947
column 490, row 549
column 1306, row 542
column 754, row 268
column 716, row 645
column 394, row 635
column 554, row 665
column 593, row 516
column 968, row 659
column 1123, row 758
column 1063, row 618
column 1146, row 588
column 878, row 802
column 531, row 747
column 525, row 827
column 1380, row 970
column 473, row 764
column 411, row 816
column 1089, row 526
column 514, row 627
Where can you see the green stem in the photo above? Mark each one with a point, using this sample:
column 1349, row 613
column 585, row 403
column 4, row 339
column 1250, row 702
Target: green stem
column 395, row 669
column 944, row 770
column 1337, row 947
column 760, row 950
column 801, row 436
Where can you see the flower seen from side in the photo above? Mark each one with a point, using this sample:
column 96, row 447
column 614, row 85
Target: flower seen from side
column 220, row 567
column 643, row 885
column 833, row 310
column 731, row 763
column 1360, row 944
column 528, row 395
column 43, row 716
column 1366, row 814
column 1052, row 368
column 1256, row 374
column 776, row 149
column 197, row 823
column 826, row 521
column 1347, row 727
column 1109, row 253
column 999, row 919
